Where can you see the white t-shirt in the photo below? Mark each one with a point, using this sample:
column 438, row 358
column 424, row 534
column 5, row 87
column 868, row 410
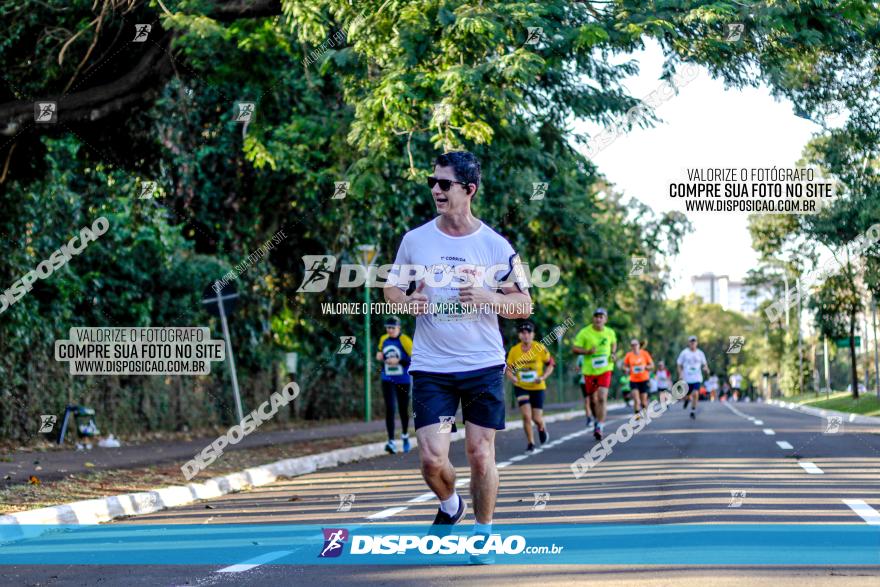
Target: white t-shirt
column 735, row 380
column 450, row 340
column 692, row 364
column 664, row 379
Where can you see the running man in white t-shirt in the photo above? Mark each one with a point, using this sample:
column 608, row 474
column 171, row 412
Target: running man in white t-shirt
column 448, row 272
column 691, row 365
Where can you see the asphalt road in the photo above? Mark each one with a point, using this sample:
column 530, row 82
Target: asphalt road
column 727, row 466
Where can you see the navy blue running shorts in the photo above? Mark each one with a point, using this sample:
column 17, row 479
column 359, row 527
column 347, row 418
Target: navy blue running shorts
column 480, row 393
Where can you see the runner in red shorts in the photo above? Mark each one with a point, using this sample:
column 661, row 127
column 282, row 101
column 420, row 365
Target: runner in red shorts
column 598, row 344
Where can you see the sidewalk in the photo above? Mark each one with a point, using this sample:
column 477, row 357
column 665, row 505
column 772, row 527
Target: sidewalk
column 58, row 464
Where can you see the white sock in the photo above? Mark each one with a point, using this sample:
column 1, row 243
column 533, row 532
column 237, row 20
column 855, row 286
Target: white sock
column 450, row 505
column 404, row 436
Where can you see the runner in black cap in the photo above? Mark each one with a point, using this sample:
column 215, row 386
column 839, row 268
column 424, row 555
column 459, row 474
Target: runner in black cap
column 526, row 368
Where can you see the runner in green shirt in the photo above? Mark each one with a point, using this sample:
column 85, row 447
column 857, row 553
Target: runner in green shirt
column 598, row 344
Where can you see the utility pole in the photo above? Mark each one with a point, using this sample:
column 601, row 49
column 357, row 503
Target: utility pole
column 876, row 358
column 800, row 341
column 827, row 369
column 561, row 367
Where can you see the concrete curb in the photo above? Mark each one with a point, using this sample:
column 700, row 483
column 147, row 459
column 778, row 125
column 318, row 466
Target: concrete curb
column 96, row 511
column 821, row 413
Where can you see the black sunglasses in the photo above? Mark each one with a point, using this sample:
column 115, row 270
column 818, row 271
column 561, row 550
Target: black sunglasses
column 445, row 184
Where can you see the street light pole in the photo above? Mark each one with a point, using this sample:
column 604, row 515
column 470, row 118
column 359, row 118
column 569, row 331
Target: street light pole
column 876, row 358
column 368, row 253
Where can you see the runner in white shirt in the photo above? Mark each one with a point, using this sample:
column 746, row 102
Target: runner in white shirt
column 691, row 365
column 735, row 384
column 461, row 265
column 712, row 387
column 664, row 381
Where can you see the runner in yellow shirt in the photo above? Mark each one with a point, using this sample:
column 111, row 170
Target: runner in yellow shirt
column 529, row 364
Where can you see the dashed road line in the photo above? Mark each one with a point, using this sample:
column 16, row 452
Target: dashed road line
column 784, row 445
column 866, row 512
column 422, row 498
column 769, row 432
column 255, row 562
column 811, row 468
column 387, row 513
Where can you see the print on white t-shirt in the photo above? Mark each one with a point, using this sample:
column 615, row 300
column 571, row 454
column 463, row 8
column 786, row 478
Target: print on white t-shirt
column 692, row 364
column 455, row 339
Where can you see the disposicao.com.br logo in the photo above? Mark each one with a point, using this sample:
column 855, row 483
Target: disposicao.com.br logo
column 402, row 544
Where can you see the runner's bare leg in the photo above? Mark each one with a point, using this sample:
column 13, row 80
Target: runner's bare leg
column 437, row 471
column 480, row 449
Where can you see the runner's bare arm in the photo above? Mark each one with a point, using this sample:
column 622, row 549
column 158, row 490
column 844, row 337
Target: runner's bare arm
column 417, row 302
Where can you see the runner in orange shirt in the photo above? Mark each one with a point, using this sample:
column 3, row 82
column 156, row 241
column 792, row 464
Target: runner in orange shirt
column 638, row 364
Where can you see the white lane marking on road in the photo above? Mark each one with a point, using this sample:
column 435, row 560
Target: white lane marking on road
column 784, row 445
column 811, row 468
column 422, row 498
column 518, row 458
column 504, row 464
column 852, row 417
column 255, row 562
column 758, row 422
column 866, row 512
column 386, row 513
column 769, row 432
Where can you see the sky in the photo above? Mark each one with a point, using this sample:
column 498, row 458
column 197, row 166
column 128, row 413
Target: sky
column 705, row 125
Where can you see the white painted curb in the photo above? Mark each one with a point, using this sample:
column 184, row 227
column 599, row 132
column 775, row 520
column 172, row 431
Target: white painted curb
column 96, row 511
column 821, row 413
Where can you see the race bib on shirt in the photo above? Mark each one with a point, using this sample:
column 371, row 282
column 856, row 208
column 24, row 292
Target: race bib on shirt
column 693, row 370
column 449, row 309
column 394, row 369
column 599, row 362
column 528, row 376
column 638, row 368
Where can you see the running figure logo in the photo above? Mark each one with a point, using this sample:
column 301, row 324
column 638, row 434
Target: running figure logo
column 345, row 502
column 442, row 113
column 45, row 112
column 141, row 32
column 446, row 424
column 47, row 423
column 340, row 190
column 539, row 189
column 737, row 496
column 541, row 499
column 736, row 344
column 833, row 424
column 318, row 269
column 346, row 345
column 148, row 188
column 534, row 35
column 245, row 111
column 734, row 32
column 334, row 540
column 638, row 265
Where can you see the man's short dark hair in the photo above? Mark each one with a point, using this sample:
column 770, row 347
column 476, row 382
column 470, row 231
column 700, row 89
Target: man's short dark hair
column 464, row 164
